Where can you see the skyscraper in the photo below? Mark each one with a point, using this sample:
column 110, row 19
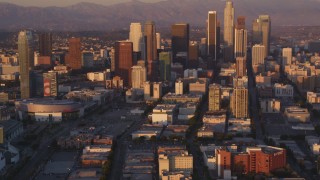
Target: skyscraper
column 214, row 97
column 228, row 34
column 286, row 56
column 258, row 54
column 239, row 102
column 241, row 67
column 112, row 59
column 193, row 55
column 180, row 43
column 241, row 22
column 45, row 44
column 124, row 60
column 240, row 45
column 135, row 36
column 50, row 84
column 25, row 49
column 73, row 58
column 165, row 66
column 158, row 37
column 151, row 50
column 212, row 34
column 240, row 38
column 261, row 32
column 139, row 76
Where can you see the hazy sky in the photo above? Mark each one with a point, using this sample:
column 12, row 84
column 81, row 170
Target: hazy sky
column 44, row 3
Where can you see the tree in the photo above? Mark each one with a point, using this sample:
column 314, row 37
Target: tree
column 153, row 138
column 142, row 138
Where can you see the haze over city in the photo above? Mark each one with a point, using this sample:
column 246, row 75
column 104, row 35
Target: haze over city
column 62, row 3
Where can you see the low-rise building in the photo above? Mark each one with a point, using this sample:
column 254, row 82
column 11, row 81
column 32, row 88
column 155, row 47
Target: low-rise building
column 139, row 164
column 315, row 149
column 214, row 119
column 171, row 98
column 99, row 96
column 283, row 90
column 97, row 76
column 270, row 105
column 187, row 110
column 263, row 81
column 173, row 161
column 313, row 98
column 200, row 86
column 147, row 134
column 297, row 115
column 164, row 114
column 205, row 131
column 209, row 156
column 239, row 126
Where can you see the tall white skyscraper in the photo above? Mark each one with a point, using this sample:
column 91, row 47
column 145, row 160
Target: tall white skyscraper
column 286, row 56
column 135, row 36
column 228, row 34
column 212, row 34
column 139, row 76
column 258, row 54
column 26, row 55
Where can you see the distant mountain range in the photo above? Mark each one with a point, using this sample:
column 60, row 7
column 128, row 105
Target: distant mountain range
column 89, row 16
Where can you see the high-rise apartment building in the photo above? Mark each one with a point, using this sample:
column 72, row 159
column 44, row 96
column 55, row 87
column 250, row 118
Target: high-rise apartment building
column 261, row 32
column 212, row 35
column 286, row 56
column 228, row 34
column 136, row 36
column 180, row 43
column 239, row 102
column 124, row 60
column 165, row 66
column 214, row 97
column 73, row 58
column 151, row 50
column 45, row 44
column 139, row 76
column 26, row 50
column 50, row 84
column 258, row 54
column 241, row 67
